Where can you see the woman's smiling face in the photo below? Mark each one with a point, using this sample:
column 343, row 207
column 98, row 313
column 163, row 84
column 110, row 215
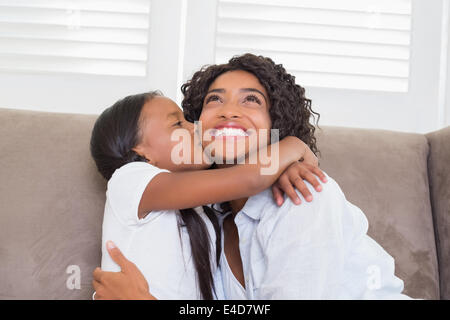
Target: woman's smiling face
column 235, row 107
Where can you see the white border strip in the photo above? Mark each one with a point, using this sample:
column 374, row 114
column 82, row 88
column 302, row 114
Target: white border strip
column 181, row 48
column 444, row 60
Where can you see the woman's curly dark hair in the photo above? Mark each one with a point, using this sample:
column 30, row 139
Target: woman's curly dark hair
column 290, row 110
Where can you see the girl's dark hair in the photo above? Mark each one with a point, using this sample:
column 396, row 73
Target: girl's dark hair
column 200, row 244
column 115, row 133
column 290, row 110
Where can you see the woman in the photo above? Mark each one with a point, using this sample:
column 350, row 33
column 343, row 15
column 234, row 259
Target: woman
column 320, row 250
column 317, row 251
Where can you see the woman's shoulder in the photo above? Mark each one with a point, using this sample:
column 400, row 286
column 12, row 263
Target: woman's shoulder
column 329, row 210
column 331, row 192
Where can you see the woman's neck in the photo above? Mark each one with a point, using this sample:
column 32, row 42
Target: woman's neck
column 237, row 204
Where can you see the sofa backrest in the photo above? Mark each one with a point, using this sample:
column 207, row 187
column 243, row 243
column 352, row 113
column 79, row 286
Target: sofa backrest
column 52, row 200
column 384, row 173
column 51, row 205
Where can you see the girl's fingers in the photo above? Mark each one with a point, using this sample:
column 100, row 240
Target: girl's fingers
column 277, row 195
column 312, row 179
column 320, row 174
column 286, row 186
column 301, row 186
column 314, row 169
column 317, row 171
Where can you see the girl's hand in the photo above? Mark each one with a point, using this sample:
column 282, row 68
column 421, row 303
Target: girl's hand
column 127, row 284
column 293, row 177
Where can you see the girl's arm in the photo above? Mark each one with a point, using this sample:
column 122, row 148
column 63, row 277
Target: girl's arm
column 179, row 190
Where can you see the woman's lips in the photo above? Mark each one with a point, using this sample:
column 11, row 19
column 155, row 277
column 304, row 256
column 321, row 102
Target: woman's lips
column 229, row 130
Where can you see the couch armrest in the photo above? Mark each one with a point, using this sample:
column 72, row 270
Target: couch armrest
column 439, row 179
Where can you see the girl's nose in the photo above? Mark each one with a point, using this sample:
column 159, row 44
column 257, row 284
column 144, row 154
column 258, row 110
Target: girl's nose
column 190, row 126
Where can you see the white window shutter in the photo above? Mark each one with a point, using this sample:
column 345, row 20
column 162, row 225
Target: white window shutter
column 75, row 36
column 347, row 44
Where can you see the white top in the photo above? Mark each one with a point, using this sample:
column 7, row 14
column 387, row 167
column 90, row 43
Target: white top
column 317, row 250
column 156, row 244
column 231, row 286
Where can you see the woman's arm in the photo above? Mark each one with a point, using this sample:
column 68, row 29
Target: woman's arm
column 179, row 190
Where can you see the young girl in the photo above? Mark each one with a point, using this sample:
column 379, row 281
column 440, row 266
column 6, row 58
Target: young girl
column 177, row 251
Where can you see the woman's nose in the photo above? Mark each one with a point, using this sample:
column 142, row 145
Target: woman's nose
column 230, row 111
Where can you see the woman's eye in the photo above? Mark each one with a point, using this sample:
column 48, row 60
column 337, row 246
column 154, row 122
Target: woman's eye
column 178, row 124
column 253, row 98
column 212, row 98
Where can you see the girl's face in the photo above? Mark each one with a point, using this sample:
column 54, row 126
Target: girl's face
column 159, row 118
column 235, row 107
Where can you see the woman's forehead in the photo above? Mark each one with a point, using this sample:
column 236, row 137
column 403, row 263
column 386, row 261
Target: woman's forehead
column 236, row 79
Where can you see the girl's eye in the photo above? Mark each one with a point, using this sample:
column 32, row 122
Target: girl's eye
column 178, row 123
column 212, row 98
column 253, row 98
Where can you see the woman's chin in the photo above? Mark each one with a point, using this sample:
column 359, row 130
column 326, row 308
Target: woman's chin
column 229, row 150
column 228, row 157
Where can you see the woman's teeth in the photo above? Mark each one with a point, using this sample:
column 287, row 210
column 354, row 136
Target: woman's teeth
column 229, row 132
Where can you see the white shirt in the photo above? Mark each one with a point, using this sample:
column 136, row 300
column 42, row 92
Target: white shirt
column 232, row 288
column 317, row 250
column 152, row 243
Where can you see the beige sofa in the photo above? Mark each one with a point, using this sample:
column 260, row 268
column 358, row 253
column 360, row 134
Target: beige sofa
column 52, row 200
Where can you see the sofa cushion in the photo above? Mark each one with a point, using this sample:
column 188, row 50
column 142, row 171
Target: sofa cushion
column 51, row 205
column 385, row 174
column 439, row 173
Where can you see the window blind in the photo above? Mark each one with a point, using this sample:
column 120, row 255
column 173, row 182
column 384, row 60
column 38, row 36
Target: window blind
column 347, row 44
column 75, row 36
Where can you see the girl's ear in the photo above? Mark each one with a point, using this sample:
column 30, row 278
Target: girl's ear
column 141, row 152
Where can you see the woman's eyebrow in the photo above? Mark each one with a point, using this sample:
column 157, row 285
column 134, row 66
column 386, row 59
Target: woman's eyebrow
column 253, row 90
column 241, row 90
column 216, row 90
